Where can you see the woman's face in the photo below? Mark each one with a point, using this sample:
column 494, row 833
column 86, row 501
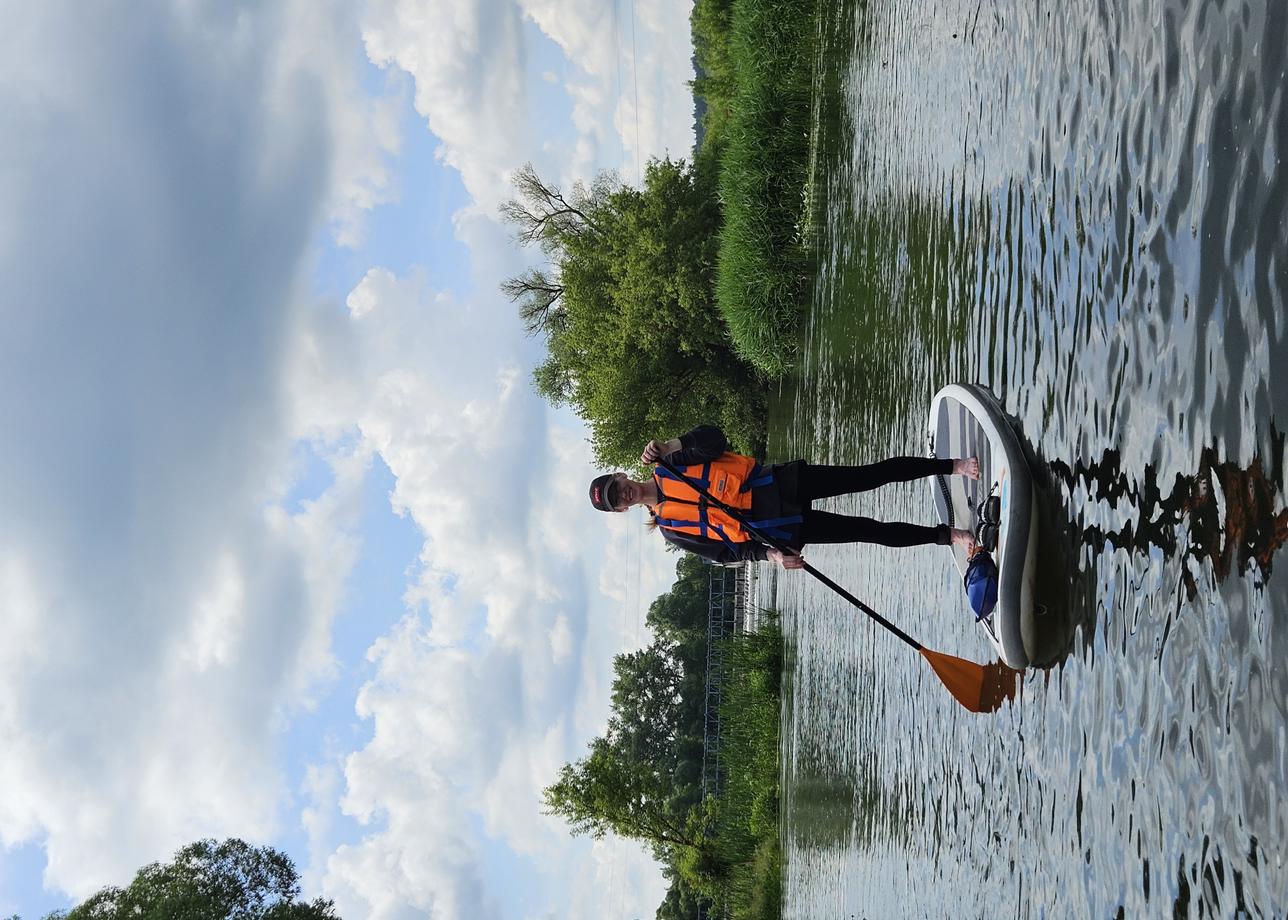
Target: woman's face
column 628, row 492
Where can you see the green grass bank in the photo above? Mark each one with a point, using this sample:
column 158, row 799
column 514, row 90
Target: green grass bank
column 747, row 827
column 757, row 59
column 741, row 872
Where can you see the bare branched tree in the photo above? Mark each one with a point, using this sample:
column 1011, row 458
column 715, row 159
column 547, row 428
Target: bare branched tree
column 537, row 295
column 542, row 214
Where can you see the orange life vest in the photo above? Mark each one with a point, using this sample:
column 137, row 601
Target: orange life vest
column 682, row 508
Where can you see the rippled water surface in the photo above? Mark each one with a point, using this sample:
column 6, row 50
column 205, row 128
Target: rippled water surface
column 1083, row 207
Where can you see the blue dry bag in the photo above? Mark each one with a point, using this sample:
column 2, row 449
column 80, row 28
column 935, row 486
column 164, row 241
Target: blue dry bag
column 981, row 584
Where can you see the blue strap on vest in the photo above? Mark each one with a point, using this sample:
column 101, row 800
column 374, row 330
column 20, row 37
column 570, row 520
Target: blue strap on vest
column 704, row 482
column 727, row 542
column 674, row 523
column 703, row 523
column 773, row 526
column 770, row 527
column 759, row 477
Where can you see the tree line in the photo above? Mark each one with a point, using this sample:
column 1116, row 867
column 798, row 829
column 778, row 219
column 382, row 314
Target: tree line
column 207, row 880
column 642, row 778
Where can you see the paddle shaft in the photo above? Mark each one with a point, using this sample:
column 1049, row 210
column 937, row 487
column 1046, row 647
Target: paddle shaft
column 784, row 548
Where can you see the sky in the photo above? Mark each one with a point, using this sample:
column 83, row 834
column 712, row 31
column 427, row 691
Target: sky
column 289, row 548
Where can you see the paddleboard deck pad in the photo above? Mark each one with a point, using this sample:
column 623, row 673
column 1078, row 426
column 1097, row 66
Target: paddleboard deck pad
column 968, row 421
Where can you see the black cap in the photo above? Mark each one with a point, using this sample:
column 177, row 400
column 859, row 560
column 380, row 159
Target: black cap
column 603, row 492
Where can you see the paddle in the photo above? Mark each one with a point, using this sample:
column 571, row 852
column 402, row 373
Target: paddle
column 980, row 688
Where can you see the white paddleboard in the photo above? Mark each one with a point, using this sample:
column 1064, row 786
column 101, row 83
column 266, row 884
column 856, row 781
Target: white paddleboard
column 968, row 421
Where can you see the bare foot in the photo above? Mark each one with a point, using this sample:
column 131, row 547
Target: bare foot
column 964, row 539
column 967, row 466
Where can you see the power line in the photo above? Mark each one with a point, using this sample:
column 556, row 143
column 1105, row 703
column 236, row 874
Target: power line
column 635, row 73
column 617, row 49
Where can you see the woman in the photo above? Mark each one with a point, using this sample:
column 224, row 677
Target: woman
column 775, row 499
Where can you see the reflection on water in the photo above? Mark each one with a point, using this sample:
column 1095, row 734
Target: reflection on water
column 1083, row 208
column 1225, row 519
column 1233, row 522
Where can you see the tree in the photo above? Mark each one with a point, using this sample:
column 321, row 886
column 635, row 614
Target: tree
column 543, row 215
column 635, row 343
column 538, row 297
column 646, row 698
column 681, row 613
column 682, row 901
column 643, row 778
column 628, row 783
column 208, row 881
column 622, row 791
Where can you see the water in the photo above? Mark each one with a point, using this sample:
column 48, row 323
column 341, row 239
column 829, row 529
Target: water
column 1083, row 207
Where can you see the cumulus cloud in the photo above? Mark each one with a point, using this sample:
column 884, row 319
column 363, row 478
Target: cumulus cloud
column 165, row 169
column 438, row 388
column 469, row 58
column 646, row 63
column 498, row 674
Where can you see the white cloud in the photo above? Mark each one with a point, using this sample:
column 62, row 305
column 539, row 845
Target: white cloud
column 321, row 791
column 633, row 88
column 499, row 673
column 317, row 53
column 467, row 58
column 165, row 169
column 469, row 61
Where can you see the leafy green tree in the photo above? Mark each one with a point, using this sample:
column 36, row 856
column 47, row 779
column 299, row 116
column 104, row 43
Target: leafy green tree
column 635, row 343
column 642, row 778
column 613, row 789
column 681, row 613
column 646, row 699
column 680, row 617
column 208, row 881
column 682, row 901
column 657, row 706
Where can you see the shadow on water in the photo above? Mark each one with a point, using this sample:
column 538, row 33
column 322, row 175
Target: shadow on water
column 1219, row 521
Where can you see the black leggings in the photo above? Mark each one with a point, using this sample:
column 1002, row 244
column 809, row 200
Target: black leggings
column 826, row 481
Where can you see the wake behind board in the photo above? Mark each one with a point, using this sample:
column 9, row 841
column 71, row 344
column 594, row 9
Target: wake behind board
column 967, row 421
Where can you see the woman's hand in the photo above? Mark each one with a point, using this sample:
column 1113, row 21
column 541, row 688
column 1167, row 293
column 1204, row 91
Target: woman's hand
column 786, row 560
column 656, row 450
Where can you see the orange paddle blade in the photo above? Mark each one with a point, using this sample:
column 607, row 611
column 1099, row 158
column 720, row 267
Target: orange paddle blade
column 980, row 688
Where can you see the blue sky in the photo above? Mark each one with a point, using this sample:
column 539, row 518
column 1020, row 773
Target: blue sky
column 290, row 549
